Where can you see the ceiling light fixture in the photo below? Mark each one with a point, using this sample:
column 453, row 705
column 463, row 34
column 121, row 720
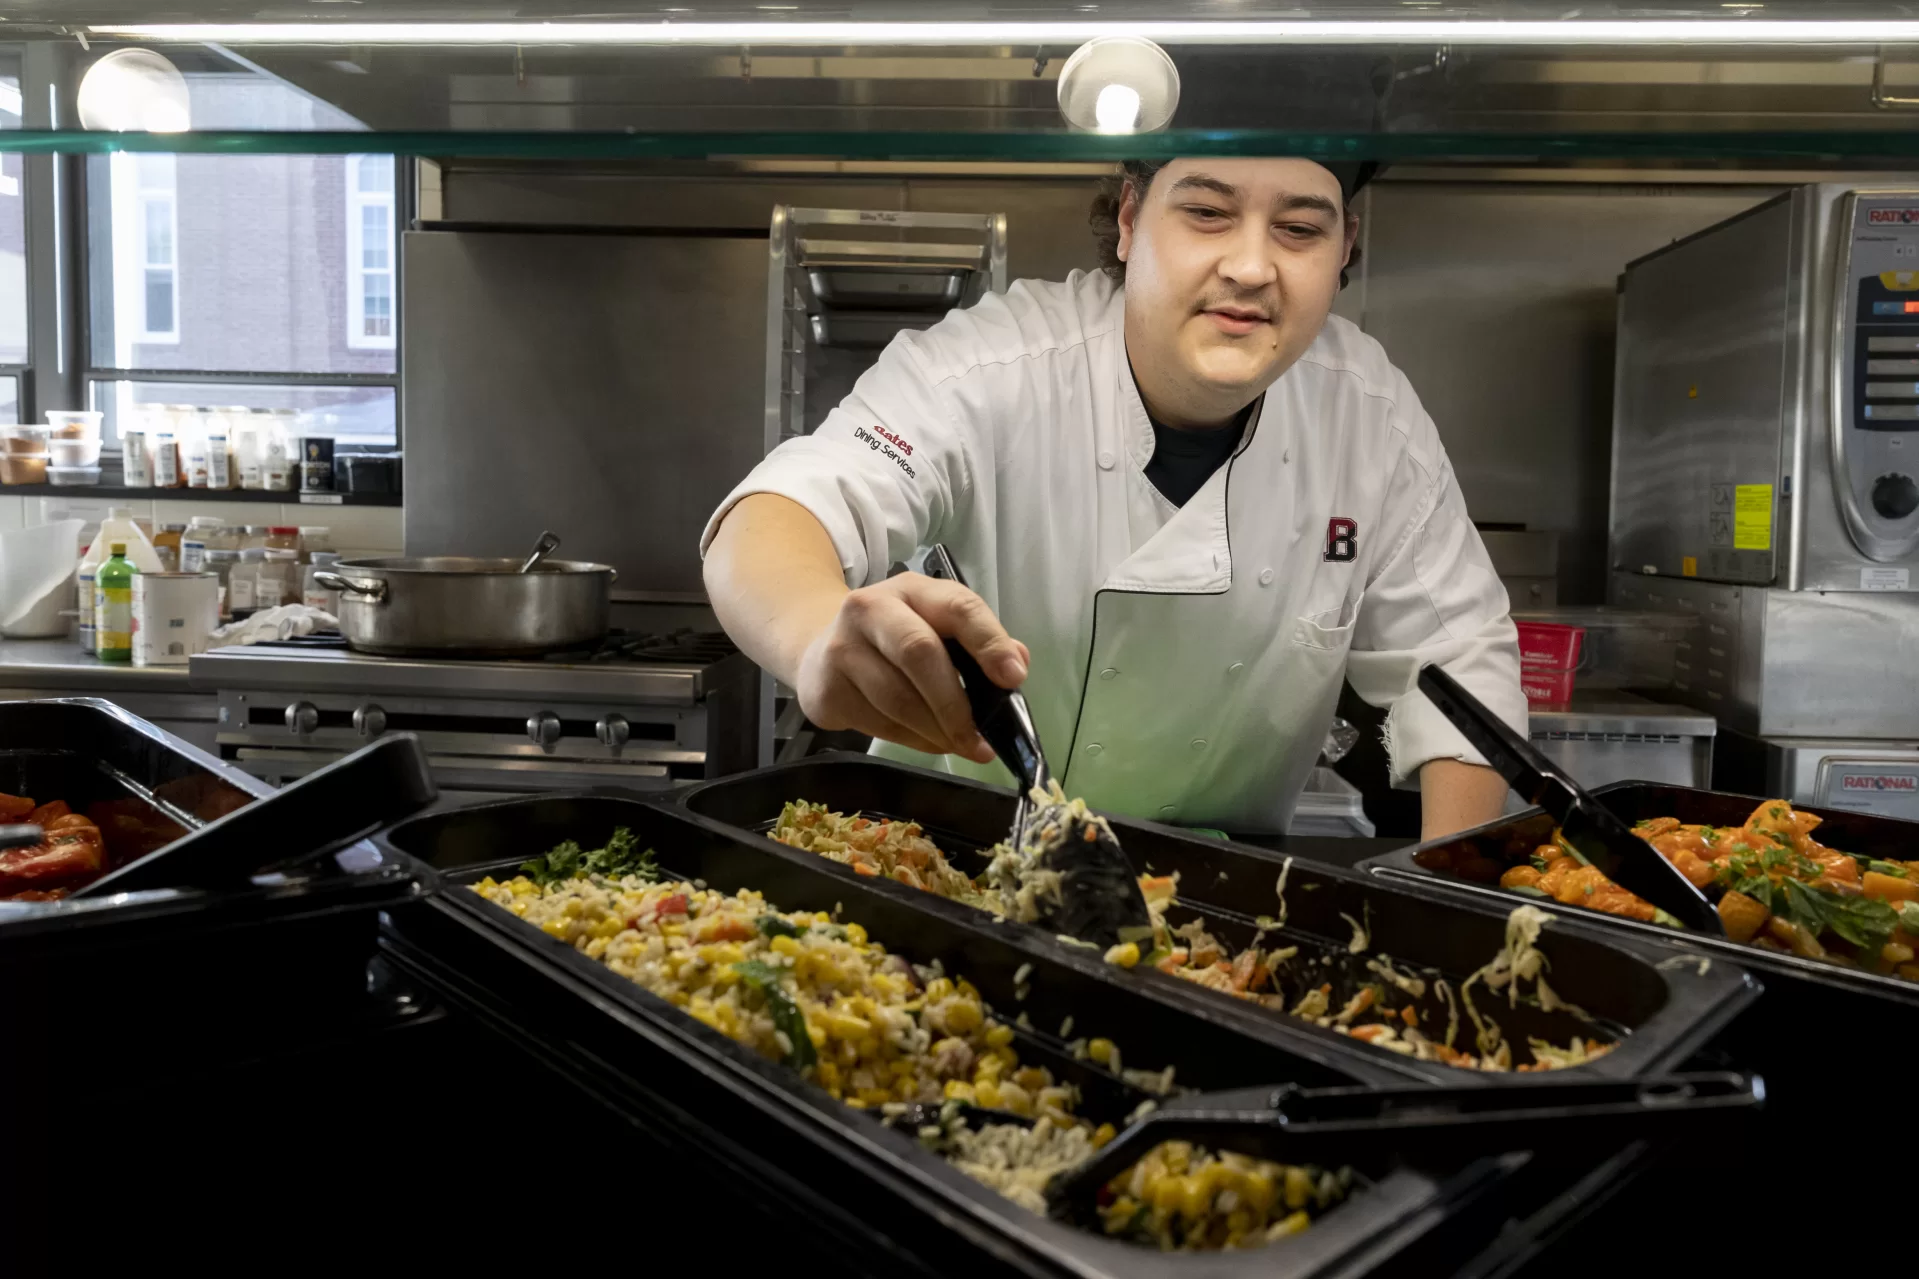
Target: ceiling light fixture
column 1728, row 30
column 134, row 91
column 1119, row 84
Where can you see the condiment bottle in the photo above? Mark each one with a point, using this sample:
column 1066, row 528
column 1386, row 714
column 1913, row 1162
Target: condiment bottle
column 243, row 582
column 120, row 527
column 113, row 607
column 278, row 580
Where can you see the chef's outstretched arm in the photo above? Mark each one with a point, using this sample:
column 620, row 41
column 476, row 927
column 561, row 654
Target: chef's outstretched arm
column 1455, row 795
column 870, row 659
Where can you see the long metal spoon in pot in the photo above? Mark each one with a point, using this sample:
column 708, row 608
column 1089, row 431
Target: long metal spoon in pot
column 549, row 542
column 1098, row 898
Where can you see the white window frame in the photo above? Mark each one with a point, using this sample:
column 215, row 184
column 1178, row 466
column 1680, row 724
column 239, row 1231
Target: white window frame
column 134, row 193
column 357, row 273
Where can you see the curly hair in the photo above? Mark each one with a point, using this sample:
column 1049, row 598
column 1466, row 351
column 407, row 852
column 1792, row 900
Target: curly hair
column 1104, row 216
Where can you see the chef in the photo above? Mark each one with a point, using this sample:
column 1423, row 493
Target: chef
column 1188, row 499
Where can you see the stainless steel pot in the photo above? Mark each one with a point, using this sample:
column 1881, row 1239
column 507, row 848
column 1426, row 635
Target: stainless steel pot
column 459, row 606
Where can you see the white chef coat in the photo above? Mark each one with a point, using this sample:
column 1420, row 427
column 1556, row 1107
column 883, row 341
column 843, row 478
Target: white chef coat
column 1186, row 660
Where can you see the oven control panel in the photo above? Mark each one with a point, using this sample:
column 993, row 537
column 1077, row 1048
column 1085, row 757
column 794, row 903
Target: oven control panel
column 1877, row 425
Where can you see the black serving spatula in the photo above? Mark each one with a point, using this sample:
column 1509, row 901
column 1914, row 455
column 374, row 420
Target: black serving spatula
column 1587, row 825
column 1332, row 1127
column 325, row 809
column 1099, row 899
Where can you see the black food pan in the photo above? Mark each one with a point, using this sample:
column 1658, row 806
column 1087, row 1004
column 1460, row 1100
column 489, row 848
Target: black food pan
column 1812, row 1013
column 709, row 1111
column 1656, row 1016
column 116, row 994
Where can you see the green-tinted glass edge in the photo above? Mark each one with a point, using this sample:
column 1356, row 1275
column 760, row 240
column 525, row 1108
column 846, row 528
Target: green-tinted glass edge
column 1891, row 145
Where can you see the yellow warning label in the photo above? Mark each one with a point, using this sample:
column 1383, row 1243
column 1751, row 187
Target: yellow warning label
column 1752, row 517
column 1689, row 566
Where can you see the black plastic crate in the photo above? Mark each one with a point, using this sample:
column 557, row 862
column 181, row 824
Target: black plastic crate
column 1812, row 1013
column 718, row 1110
column 1659, row 1016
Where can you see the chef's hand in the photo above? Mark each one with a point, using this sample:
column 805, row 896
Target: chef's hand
column 880, row 666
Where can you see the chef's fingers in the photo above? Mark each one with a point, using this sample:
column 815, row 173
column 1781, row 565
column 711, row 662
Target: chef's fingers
column 843, row 706
column 893, row 696
column 953, row 610
column 909, row 642
column 904, row 736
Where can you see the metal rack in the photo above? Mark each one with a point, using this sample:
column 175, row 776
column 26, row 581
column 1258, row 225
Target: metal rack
column 850, row 279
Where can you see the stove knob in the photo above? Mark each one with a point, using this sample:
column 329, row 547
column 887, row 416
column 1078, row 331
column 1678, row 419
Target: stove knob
column 1895, row 496
column 369, row 721
column 302, row 718
column 544, row 729
column 613, row 730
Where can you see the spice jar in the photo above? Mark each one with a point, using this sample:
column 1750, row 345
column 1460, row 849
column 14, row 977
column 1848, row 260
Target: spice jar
column 167, row 545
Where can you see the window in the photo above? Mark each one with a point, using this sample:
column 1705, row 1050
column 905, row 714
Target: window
column 152, row 269
column 13, row 238
column 263, row 281
column 369, row 251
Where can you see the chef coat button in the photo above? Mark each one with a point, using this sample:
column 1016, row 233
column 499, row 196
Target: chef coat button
column 1169, row 810
column 1266, row 577
column 1105, row 461
column 1109, row 672
column 1094, row 748
column 1236, row 668
column 1198, row 743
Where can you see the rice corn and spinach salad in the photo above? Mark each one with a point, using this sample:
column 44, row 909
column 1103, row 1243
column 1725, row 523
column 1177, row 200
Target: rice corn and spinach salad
column 1382, row 1012
column 878, row 1032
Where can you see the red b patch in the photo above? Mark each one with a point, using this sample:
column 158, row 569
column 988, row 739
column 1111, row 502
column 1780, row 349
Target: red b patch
column 1342, row 540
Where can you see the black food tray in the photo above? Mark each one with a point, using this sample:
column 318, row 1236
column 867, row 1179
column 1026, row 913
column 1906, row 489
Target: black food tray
column 1811, row 1014
column 118, row 994
column 714, row 1108
column 1661, row 1015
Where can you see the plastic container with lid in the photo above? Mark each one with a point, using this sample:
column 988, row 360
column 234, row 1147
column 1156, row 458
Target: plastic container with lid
column 1617, row 647
column 193, row 545
column 315, row 595
column 283, row 537
column 315, row 539
column 73, row 476
column 23, row 468
column 73, row 452
column 243, row 581
column 253, row 537
column 25, row 439
column 279, row 579
column 74, row 424
column 220, row 563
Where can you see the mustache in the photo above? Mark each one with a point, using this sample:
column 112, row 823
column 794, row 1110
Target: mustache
column 1261, row 304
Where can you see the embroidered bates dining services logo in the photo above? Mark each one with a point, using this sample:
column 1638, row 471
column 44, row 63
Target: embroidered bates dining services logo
column 1342, row 540
column 887, row 445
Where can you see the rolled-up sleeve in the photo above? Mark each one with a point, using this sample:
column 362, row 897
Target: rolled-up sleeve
column 883, row 474
column 1435, row 599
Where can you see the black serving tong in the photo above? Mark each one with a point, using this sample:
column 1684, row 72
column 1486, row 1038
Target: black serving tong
column 324, row 810
column 1586, row 825
column 1333, row 1127
column 20, row 835
column 1100, row 900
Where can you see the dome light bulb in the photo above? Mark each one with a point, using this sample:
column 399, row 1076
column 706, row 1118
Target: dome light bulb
column 1117, row 109
column 134, row 91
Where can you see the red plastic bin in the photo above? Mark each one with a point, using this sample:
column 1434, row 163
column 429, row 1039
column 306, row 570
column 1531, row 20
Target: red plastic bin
column 1550, row 645
column 1544, row 687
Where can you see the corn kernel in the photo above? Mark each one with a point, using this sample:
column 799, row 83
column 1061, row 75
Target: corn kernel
column 828, row 1074
column 907, row 1088
column 1196, row 1195
column 1165, row 1192
column 1031, row 1078
column 986, row 1093
column 875, row 1096
column 845, row 1025
column 784, row 945
column 999, row 1035
column 868, row 1047
column 856, row 934
column 1299, row 1187
column 1291, row 1225
column 937, row 989
column 1100, row 1050
column 988, row 1067
column 901, row 1066
column 554, row 928
column 1006, row 1057
column 1016, row 1099
column 961, row 1016
column 958, row 1090
column 1257, row 1188
column 1103, row 1134
column 1126, row 954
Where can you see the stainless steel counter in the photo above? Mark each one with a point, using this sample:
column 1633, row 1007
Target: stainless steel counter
column 34, row 668
column 59, row 664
